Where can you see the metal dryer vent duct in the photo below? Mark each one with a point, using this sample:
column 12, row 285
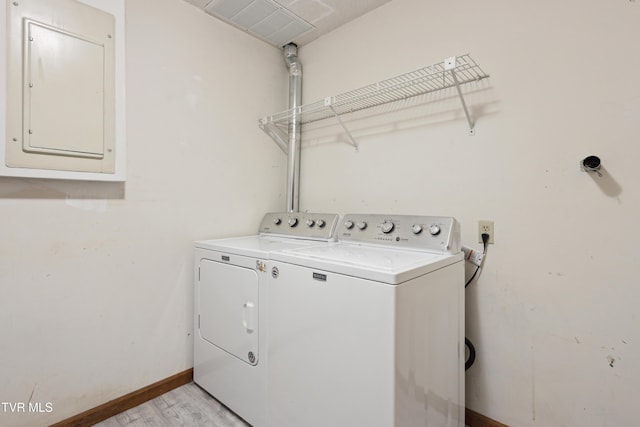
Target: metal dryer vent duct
column 295, row 100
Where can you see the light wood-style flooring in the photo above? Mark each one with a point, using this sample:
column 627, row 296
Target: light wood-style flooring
column 186, row 406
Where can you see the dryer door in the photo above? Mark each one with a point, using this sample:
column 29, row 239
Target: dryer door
column 228, row 308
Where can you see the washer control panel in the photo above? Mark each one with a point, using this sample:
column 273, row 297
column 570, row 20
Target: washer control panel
column 430, row 233
column 303, row 225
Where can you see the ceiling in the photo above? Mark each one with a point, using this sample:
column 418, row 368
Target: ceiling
column 279, row 22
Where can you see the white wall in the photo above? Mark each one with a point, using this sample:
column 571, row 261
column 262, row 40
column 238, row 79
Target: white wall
column 554, row 314
column 95, row 278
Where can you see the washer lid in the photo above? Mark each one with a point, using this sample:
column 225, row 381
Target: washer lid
column 381, row 264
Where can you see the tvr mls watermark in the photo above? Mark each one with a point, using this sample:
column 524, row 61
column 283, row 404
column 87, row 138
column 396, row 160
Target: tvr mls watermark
column 30, row 407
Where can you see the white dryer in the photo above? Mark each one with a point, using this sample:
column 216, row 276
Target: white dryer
column 230, row 339
column 369, row 331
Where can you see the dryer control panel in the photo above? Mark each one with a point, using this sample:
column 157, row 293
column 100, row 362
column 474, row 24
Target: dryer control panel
column 428, row 233
column 302, row 225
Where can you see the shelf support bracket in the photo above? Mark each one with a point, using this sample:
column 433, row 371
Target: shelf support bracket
column 450, row 64
column 329, row 103
column 278, row 136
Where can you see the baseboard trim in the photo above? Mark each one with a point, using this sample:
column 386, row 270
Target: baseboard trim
column 474, row 419
column 128, row 401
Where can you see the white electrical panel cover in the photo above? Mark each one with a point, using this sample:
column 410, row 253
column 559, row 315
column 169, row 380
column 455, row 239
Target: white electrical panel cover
column 65, row 90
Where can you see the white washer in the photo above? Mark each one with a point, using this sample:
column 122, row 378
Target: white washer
column 369, row 331
column 230, row 307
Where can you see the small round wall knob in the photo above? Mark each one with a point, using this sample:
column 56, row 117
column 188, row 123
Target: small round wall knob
column 434, row 229
column 310, row 222
column 348, row 224
column 361, row 225
column 293, row 222
column 416, row 228
column 592, row 164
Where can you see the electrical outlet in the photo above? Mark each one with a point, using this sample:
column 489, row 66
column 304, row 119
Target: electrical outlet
column 485, row 226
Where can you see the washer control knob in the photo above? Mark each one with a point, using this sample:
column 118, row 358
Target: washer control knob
column 348, row 224
column 310, row 222
column 361, row 225
column 434, row 229
column 293, row 222
column 320, row 223
column 416, row 228
column 277, row 221
column 387, row 227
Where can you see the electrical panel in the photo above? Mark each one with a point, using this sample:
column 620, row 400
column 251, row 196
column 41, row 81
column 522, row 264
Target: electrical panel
column 61, row 91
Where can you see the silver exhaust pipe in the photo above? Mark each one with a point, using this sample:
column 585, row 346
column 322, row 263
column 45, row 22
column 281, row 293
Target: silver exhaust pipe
column 295, row 100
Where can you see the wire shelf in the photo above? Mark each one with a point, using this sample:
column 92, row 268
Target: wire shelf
column 452, row 72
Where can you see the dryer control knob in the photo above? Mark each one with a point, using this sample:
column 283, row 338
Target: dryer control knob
column 277, row 221
column 387, row 227
column 320, row 223
column 348, row 224
column 416, row 228
column 434, row 229
column 361, row 225
column 293, row 222
column 310, row 222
